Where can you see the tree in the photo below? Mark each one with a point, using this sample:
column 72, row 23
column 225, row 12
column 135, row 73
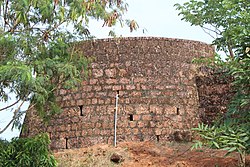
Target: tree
column 228, row 22
column 37, row 49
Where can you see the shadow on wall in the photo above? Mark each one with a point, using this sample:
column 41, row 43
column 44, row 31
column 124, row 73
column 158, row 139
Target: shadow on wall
column 215, row 93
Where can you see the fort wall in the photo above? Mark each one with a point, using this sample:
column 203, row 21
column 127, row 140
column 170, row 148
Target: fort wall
column 158, row 95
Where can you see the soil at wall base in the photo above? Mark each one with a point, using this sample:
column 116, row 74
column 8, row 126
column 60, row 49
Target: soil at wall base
column 145, row 154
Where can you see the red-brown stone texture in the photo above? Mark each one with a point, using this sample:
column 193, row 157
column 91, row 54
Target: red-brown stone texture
column 215, row 92
column 158, row 97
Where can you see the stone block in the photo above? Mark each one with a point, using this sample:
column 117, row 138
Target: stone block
column 97, row 73
column 110, row 73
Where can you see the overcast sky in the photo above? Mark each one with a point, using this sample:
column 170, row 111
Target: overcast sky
column 158, row 17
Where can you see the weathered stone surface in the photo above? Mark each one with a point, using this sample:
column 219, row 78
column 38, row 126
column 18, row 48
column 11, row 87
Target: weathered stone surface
column 158, row 95
column 215, row 93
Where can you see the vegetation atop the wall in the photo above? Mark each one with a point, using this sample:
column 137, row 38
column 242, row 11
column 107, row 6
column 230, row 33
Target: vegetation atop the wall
column 27, row 152
column 38, row 55
column 228, row 22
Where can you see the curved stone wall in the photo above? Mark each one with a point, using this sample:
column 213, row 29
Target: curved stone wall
column 158, row 98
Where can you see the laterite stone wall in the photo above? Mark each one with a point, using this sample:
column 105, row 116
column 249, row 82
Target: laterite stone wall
column 158, row 97
column 215, row 93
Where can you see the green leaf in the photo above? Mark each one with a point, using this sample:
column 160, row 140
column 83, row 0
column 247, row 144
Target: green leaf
column 216, row 144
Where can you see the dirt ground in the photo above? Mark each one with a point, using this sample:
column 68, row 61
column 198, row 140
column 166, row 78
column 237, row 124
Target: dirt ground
column 146, row 154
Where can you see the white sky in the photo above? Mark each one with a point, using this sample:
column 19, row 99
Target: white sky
column 158, row 17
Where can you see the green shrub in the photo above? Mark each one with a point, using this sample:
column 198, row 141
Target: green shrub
column 27, row 152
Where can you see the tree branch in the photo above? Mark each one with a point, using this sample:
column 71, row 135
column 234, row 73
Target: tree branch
column 230, row 51
column 5, row 14
column 209, row 29
column 207, row 32
column 15, row 116
column 10, row 105
column 56, row 26
column 4, row 129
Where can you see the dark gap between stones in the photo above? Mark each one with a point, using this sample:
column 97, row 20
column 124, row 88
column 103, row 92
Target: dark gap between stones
column 81, row 111
column 131, row 117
